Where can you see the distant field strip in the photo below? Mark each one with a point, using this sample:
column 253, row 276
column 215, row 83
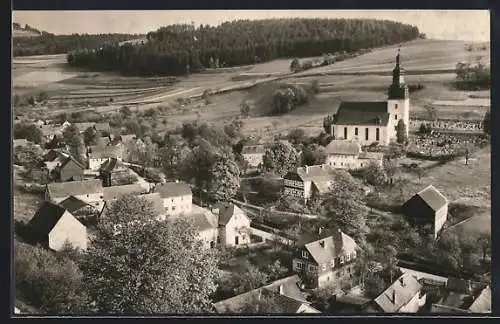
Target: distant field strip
column 162, row 97
column 481, row 102
column 41, row 78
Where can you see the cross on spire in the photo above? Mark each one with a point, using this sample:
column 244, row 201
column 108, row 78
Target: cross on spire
column 397, row 56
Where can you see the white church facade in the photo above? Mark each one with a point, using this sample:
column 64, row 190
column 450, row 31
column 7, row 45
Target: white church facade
column 375, row 121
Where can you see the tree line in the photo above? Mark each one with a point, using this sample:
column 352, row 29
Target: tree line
column 181, row 49
column 61, row 44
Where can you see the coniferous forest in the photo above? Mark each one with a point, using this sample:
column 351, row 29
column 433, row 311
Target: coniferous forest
column 184, row 49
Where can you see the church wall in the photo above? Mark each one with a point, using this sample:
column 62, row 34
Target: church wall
column 402, row 112
column 384, row 139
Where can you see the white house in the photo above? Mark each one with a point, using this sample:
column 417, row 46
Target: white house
column 89, row 191
column 54, row 226
column 177, row 197
column 234, row 225
column 347, row 154
column 370, row 122
column 206, row 223
column 304, row 182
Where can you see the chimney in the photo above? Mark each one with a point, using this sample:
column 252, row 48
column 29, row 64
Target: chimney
column 322, row 244
column 401, row 280
column 281, row 290
column 394, row 296
column 306, row 168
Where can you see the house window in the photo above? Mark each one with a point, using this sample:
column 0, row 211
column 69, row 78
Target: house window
column 212, row 244
column 348, row 256
column 172, row 200
column 338, row 274
column 173, row 208
column 300, row 265
column 377, row 134
column 361, row 164
column 333, row 163
column 333, row 263
column 304, row 254
column 312, row 268
column 345, row 132
column 396, row 117
column 396, row 106
column 354, row 254
column 236, row 240
column 356, row 131
column 341, row 163
column 366, row 134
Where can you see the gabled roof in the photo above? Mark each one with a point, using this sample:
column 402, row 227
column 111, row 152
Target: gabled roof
column 69, row 159
column 173, row 189
column 72, row 204
column 432, row 197
column 227, row 211
column 46, row 218
column 75, row 188
column 253, row 149
column 482, row 303
column 321, row 186
column 53, row 155
column 325, row 250
column 398, row 294
column 104, row 151
column 289, row 304
column 362, row 113
column 112, row 164
column 156, row 200
column 343, row 147
column 115, row 192
column 314, row 172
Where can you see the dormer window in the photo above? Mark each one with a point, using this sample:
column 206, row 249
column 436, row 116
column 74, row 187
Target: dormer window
column 348, row 257
column 304, row 254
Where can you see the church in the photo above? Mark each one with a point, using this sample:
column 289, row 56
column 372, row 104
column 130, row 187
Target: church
column 375, row 121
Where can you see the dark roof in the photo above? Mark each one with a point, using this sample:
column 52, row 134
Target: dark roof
column 52, row 155
column 46, row 218
column 115, row 192
column 112, row 164
column 70, row 158
column 343, row 147
column 329, row 248
column 362, row 113
column 398, row 294
column 75, row 188
column 432, row 197
column 227, row 211
column 352, row 300
column 73, row 204
column 173, row 189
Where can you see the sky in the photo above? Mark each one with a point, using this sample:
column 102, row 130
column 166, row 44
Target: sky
column 468, row 25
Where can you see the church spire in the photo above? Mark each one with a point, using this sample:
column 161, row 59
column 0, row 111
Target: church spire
column 398, row 89
column 398, row 56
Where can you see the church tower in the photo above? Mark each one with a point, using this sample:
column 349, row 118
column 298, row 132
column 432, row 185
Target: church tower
column 398, row 103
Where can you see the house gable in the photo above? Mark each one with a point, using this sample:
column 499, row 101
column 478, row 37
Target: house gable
column 68, row 229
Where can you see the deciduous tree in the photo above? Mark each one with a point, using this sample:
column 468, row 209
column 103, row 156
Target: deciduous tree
column 140, row 265
column 280, row 157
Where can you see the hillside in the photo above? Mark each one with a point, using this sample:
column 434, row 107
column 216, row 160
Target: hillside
column 181, row 49
column 26, row 31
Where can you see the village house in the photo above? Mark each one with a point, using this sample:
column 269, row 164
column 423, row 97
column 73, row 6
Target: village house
column 427, row 207
column 49, row 132
column 53, row 226
column 114, row 173
column 69, row 170
column 82, row 127
column 463, row 296
column 253, row 154
column 234, row 225
column 375, row 122
column 328, row 261
column 347, row 154
column 405, row 295
column 284, row 292
column 80, row 209
column 53, row 158
column 90, row 191
column 206, row 224
column 99, row 154
column 349, row 303
column 305, row 182
column 177, row 197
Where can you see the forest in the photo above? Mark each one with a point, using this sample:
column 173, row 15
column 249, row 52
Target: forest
column 184, row 49
column 47, row 43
